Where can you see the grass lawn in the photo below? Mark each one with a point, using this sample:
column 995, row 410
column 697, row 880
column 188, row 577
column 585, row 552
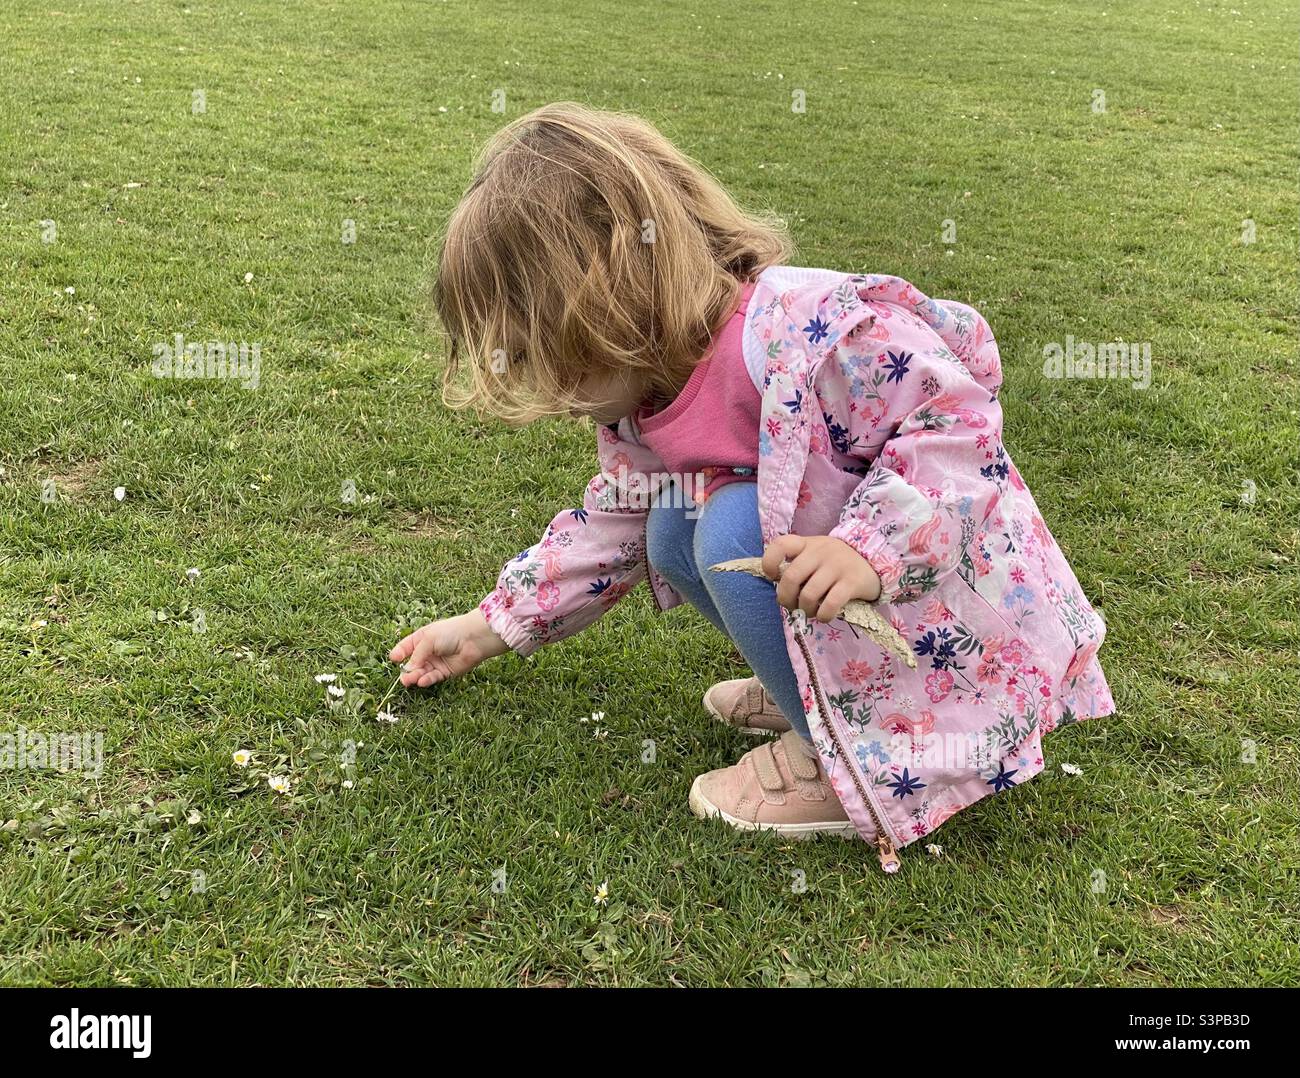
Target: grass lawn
column 1170, row 860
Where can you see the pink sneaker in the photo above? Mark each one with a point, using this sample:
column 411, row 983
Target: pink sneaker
column 779, row 786
column 746, row 705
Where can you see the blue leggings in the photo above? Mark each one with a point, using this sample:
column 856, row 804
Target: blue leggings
column 742, row 607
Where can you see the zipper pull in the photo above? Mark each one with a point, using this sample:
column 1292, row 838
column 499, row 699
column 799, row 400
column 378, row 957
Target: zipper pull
column 889, row 860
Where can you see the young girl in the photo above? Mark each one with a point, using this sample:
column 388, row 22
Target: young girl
column 843, row 427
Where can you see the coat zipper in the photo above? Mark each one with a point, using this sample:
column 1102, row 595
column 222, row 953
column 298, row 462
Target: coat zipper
column 645, row 553
column 645, row 547
column 888, row 854
column 889, row 859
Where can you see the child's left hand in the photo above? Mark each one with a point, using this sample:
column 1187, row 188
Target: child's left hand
column 822, row 574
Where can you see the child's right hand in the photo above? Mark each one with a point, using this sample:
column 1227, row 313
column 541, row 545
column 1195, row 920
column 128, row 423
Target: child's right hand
column 446, row 649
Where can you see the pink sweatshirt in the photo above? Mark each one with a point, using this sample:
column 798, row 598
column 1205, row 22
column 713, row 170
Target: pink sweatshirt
column 711, row 428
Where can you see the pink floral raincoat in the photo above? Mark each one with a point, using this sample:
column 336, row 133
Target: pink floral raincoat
column 880, row 426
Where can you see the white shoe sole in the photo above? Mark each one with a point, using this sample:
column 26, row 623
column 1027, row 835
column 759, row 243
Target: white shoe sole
column 750, row 731
column 705, row 809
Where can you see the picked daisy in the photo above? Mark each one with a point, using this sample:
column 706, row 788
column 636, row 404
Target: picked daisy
column 278, row 783
column 241, row 757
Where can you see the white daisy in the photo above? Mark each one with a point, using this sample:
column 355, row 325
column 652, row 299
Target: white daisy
column 602, row 892
column 386, row 716
column 242, row 757
column 278, row 783
column 119, row 493
column 336, row 690
column 934, row 849
column 325, row 679
column 1072, row 769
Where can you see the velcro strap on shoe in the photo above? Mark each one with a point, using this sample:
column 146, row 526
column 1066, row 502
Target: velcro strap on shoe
column 797, row 755
column 744, row 707
column 769, row 776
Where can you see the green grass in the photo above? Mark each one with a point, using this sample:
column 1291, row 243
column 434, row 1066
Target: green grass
column 1125, row 224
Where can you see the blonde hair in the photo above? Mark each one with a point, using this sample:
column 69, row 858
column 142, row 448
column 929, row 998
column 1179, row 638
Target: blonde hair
column 588, row 243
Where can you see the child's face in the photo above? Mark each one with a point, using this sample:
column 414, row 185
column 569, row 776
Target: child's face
column 610, row 396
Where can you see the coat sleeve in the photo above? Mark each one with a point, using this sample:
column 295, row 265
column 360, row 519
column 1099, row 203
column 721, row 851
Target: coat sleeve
column 586, row 561
column 916, row 398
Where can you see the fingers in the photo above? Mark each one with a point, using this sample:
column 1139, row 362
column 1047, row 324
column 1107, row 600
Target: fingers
column 833, row 604
column 794, row 578
column 805, row 582
column 778, row 550
column 816, row 589
column 403, row 648
column 422, row 660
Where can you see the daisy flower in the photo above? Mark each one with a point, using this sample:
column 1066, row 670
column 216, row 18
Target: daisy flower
column 278, row 783
column 602, row 894
column 241, row 757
